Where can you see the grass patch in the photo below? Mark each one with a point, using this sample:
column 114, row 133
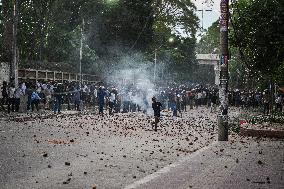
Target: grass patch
column 273, row 118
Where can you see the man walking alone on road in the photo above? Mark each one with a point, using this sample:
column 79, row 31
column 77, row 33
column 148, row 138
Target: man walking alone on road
column 157, row 110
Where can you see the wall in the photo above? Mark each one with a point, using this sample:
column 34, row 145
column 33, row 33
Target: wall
column 4, row 72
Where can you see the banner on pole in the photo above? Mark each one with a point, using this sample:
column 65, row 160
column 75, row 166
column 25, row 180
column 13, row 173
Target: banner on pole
column 224, row 16
column 224, row 60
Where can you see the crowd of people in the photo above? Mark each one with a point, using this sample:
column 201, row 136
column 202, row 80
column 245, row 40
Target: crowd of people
column 52, row 95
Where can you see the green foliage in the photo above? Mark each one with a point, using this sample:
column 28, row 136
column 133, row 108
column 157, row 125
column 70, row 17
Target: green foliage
column 273, row 118
column 279, row 76
column 210, row 40
column 6, row 30
column 90, row 55
column 177, row 15
column 210, row 43
column 50, row 31
column 259, row 32
column 174, row 19
column 234, row 127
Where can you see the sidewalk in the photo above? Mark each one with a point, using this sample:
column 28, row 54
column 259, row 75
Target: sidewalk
column 223, row 165
column 42, row 114
column 270, row 130
column 260, row 125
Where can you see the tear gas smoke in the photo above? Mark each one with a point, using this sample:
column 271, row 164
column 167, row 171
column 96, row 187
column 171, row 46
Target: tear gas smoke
column 132, row 77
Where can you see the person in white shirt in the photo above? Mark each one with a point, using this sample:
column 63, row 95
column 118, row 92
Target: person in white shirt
column 23, row 87
column 47, row 95
column 18, row 94
column 112, row 100
column 2, row 102
column 279, row 102
column 199, row 97
column 84, row 93
column 95, row 95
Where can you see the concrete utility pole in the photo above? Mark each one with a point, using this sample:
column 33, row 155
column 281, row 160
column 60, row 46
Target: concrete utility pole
column 223, row 88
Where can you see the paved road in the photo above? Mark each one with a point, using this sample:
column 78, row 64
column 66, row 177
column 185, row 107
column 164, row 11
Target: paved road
column 234, row 165
column 106, row 152
column 116, row 151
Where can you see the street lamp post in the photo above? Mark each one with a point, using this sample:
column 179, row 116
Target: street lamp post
column 155, row 66
column 170, row 40
column 81, row 53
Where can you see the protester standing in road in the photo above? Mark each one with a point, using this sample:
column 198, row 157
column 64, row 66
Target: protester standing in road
column 11, row 98
column 77, row 98
column 4, row 92
column 279, row 102
column 213, row 102
column 266, row 102
column 178, row 104
column 35, row 99
column 157, row 111
column 58, row 98
column 101, row 100
column 3, row 96
column 18, row 95
column 112, row 101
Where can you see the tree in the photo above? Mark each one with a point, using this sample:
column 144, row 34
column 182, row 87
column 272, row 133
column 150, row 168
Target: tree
column 210, row 40
column 6, row 30
column 49, row 30
column 175, row 20
column 177, row 15
column 259, row 33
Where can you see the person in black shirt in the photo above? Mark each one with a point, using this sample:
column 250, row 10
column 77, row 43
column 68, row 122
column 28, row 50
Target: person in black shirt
column 58, row 98
column 157, row 110
column 213, row 99
column 4, row 96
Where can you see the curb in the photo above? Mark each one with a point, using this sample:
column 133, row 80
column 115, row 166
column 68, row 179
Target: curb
column 34, row 117
column 261, row 133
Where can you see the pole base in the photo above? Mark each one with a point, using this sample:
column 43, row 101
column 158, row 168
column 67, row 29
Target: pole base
column 222, row 129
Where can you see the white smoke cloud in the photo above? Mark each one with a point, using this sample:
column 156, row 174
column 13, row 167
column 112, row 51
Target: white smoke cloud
column 133, row 76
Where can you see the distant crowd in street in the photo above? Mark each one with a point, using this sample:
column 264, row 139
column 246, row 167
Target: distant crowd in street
column 33, row 96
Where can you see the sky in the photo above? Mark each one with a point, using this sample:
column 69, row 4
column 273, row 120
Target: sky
column 209, row 17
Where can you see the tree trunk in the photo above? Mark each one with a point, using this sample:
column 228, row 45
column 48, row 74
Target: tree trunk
column 14, row 62
column 6, row 55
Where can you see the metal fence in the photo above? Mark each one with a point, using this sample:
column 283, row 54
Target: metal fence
column 47, row 75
